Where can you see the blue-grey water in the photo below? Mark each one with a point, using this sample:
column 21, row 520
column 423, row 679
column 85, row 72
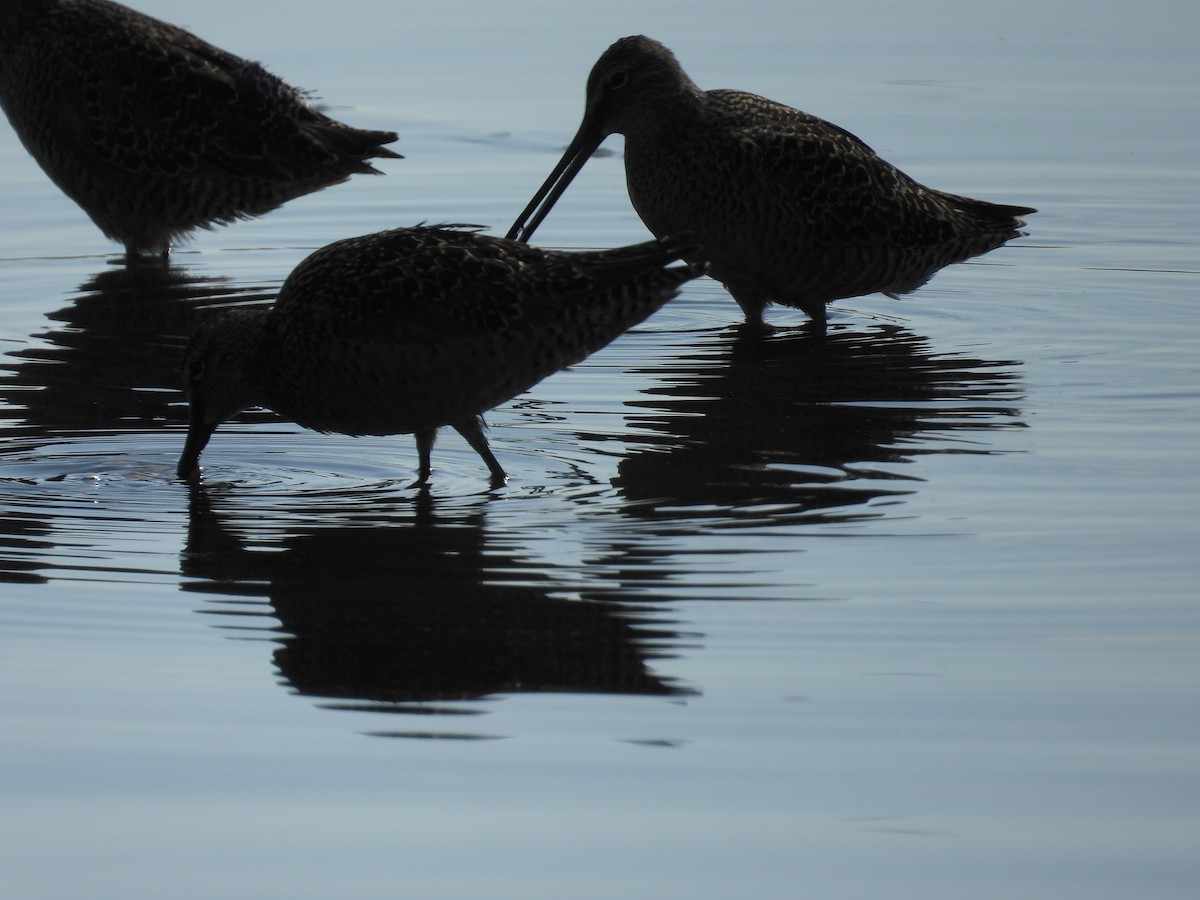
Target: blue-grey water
column 911, row 612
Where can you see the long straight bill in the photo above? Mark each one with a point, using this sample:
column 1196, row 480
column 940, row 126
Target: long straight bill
column 579, row 152
column 198, row 434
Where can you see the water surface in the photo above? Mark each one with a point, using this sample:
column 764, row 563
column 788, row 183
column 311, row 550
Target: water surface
column 907, row 612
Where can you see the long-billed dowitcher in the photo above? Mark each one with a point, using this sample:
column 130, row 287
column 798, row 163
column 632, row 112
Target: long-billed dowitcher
column 406, row 331
column 153, row 131
column 786, row 207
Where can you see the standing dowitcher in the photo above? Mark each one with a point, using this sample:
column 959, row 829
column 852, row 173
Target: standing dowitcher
column 155, row 132
column 406, row 331
column 785, row 207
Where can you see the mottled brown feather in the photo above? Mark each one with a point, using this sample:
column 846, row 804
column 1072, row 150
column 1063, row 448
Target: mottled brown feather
column 408, row 330
column 786, row 207
column 153, row 131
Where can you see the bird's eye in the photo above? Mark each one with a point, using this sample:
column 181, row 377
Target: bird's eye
column 618, row 79
column 195, row 370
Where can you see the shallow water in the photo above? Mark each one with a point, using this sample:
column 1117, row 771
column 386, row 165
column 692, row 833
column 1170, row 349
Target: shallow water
column 909, row 612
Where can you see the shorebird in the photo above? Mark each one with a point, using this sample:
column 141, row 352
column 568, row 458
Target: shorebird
column 784, row 206
column 408, row 330
column 154, row 132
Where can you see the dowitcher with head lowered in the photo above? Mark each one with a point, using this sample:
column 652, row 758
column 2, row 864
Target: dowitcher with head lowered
column 785, row 207
column 153, row 131
column 406, row 331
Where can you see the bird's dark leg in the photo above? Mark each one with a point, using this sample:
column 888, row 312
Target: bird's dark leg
column 472, row 431
column 752, row 303
column 818, row 319
column 425, row 438
column 135, row 258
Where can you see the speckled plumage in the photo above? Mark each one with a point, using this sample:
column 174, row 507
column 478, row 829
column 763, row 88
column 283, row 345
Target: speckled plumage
column 408, row 330
column 786, row 207
column 154, row 132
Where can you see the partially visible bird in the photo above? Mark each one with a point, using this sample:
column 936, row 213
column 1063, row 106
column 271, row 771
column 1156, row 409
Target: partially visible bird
column 153, row 131
column 785, row 207
column 408, row 330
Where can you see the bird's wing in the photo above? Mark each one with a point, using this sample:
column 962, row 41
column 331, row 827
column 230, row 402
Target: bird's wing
column 162, row 101
column 843, row 190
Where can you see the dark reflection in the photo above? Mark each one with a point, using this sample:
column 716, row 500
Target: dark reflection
column 800, row 427
column 106, row 365
column 24, row 537
column 421, row 608
column 110, row 361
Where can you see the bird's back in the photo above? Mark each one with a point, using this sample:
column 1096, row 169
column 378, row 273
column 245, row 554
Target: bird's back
column 447, row 322
column 154, row 131
column 795, row 208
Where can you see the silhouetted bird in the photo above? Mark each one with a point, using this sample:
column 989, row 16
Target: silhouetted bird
column 785, row 207
column 406, row 331
column 155, row 132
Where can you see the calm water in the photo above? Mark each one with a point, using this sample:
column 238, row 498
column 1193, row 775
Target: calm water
column 907, row 613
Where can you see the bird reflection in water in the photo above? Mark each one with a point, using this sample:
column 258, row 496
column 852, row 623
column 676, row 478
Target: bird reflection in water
column 418, row 609
column 110, row 361
column 103, row 366
column 803, row 429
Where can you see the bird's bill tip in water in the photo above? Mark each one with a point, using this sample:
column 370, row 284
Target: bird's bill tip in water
column 198, row 434
column 578, row 152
